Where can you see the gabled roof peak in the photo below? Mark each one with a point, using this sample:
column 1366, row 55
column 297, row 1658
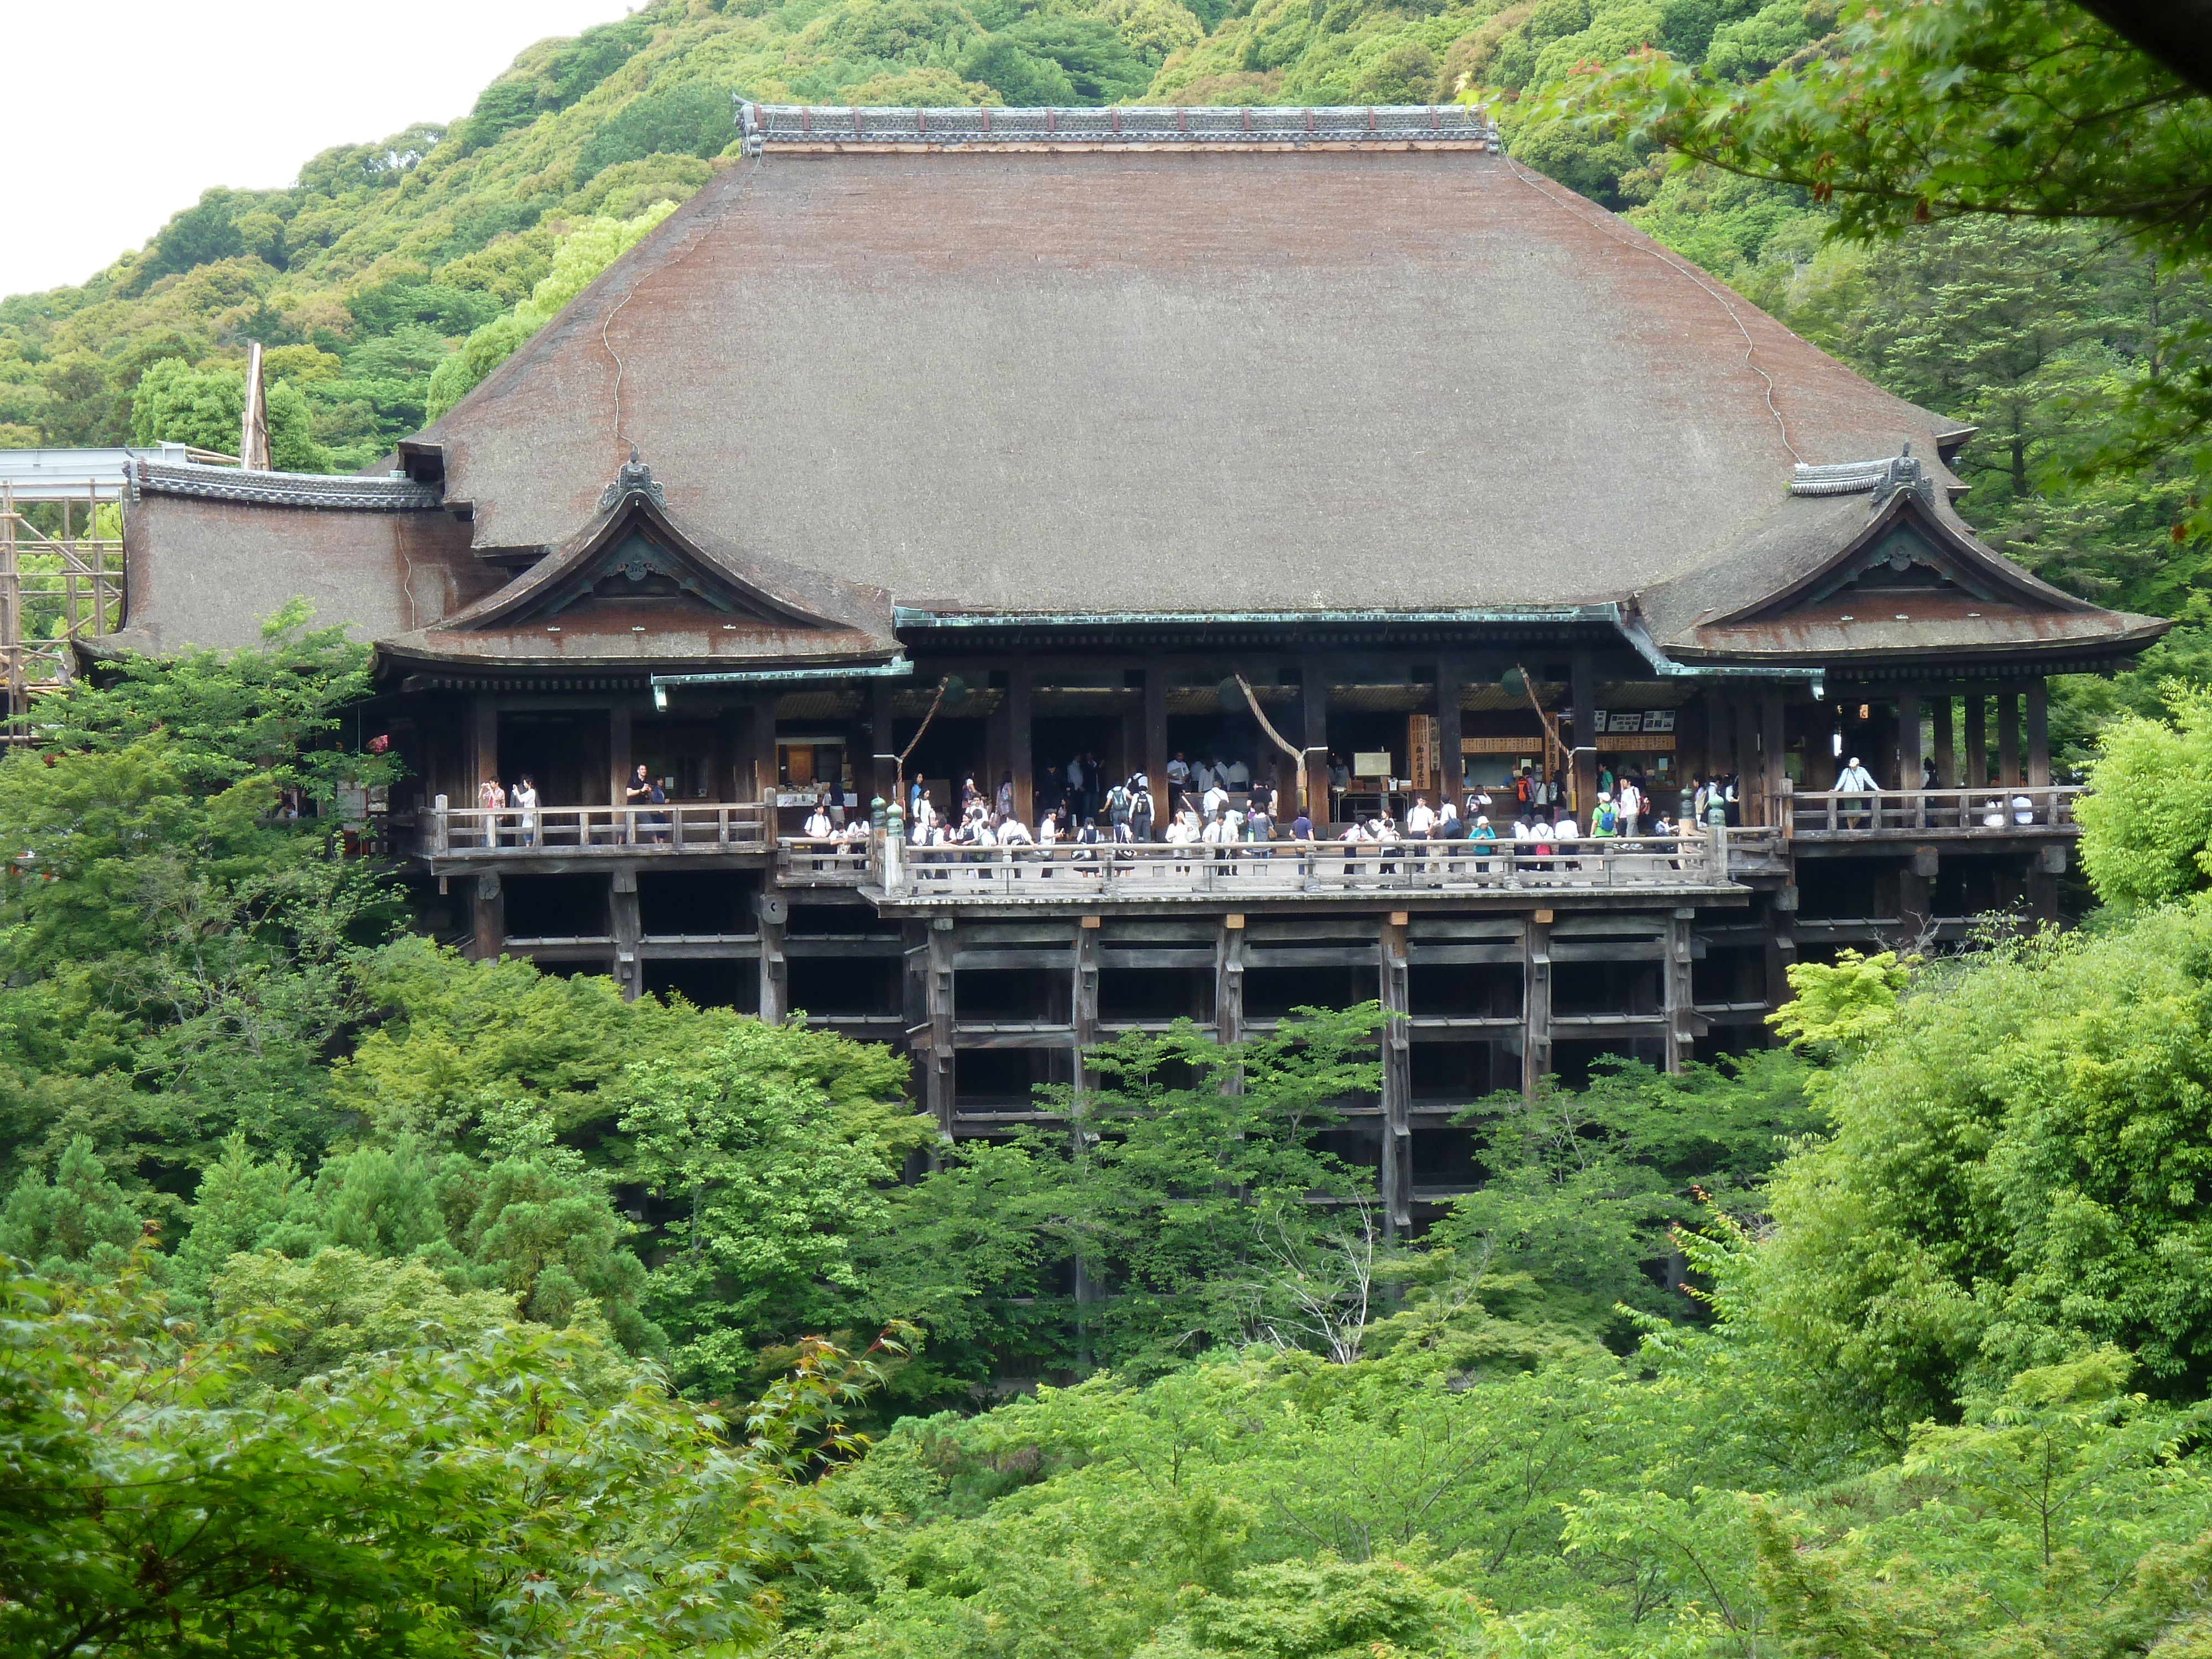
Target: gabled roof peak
column 1895, row 474
column 633, row 477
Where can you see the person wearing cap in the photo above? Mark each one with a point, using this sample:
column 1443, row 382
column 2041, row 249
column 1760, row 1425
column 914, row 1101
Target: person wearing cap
column 1852, row 778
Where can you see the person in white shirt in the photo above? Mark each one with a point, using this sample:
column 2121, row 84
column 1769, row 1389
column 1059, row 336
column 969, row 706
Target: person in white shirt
column 1631, row 805
column 1178, row 773
column 817, row 823
column 1564, row 832
column 1216, row 799
column 1014, row 833
column 1851, row 779
column 1238, row 777
column 525, row 798
column 1202, row 775
column 1419, row 820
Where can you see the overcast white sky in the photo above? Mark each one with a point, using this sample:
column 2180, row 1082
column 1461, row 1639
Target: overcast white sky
column 118, row 113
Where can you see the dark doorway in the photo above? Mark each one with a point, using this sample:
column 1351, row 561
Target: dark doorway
column 949, row 751
column 679, row 755
column 566, row 755
column 1056, row 740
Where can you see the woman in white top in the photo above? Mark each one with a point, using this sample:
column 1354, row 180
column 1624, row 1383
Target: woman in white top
column 525, row 798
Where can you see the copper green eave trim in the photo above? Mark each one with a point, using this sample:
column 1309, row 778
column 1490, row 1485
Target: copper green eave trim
column 1608, row 612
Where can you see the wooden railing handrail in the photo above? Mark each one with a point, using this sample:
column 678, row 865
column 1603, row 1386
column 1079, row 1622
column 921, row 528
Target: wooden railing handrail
column 1137, row 870
column 1991, row 809
column 696, row 825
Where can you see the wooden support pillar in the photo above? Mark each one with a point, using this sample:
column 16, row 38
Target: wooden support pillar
column 1397, row 1172
column 1535, row 1002
column 489, row 935
column 1678, row 999
column 1773, row 745
column 938, row 1072
column 913, row 1007
column 1020, row 744
column 883, row 740
column 1083, row 1003
column 1916, row 889
column 1156, row 745
column 1947, row 755
column 1582, row 688
column 1743, row 716
column 1975, row 709
column 622, row 922
column 2008, row 738
column 1229, row 984
column 1908, row 740
column 1453, row 784
column 1313, row 712
column 619, row 748
column 775, row 972
column 761, row 739
column 2044, row 871
column 998, row 745
column 484, row 744
column 2038, row 734
column 1780, row 953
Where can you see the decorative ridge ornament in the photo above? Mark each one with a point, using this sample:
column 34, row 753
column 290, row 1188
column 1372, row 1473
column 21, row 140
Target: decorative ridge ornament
column 1462, row 126
column 635, row 478
column 1895, row 474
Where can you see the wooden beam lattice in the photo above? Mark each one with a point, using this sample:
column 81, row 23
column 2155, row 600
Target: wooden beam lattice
column 58, row 584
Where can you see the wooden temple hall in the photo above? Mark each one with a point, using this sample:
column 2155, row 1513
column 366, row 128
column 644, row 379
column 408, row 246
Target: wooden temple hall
column 1042, row 428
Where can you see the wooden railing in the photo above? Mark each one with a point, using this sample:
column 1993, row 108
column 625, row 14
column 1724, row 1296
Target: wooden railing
column 1062, row 874
column 691, row 827
column 2020, row 809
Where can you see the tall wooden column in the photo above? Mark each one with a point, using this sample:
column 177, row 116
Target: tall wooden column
column 623, row 923
column 1021, row 750
column 1975, row 708
column 484, row 744
column 774, row 971
column 1453, row 764
column 1583, row 689
column 1822, row 762
column 1156, row 745
column 2038, row 733
column 1678, row 997
column 1946, row 758
column 1313, row 712
column 762, row 741
column 1535, row 1002
column 914, row 1008
column 488, row 915
column 619, row 748
column 1397, row 1172
column 1229, row 984
column 938, row 1069
column 1083, row 1003
column 1908, row 740
column 1774, row 746
column 2008, row 738
column 1743, row 716
column 884, row 740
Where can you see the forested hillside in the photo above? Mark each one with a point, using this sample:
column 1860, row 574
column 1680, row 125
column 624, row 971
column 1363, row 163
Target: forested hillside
column 447, row 245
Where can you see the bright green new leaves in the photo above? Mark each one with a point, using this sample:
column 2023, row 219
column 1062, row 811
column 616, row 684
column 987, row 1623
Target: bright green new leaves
column 768, row 1152
column 2061, row 1516
column 1840, row 1008
column 513, row 1494
column 2147, row 822
column 79, row 1225
column 2020, row 1167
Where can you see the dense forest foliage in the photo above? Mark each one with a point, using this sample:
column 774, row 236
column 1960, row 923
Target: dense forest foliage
column 366, row 1299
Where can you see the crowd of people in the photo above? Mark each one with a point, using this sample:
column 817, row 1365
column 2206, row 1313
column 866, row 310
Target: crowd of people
column 1212, row 802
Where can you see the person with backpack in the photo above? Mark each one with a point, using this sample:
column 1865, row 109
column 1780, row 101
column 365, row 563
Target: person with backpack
column 1144, row 811
column 1119, row 806
column 1630, row 801
column 1605, row 822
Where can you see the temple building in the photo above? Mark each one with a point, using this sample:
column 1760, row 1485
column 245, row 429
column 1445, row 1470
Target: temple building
column 962, row 443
